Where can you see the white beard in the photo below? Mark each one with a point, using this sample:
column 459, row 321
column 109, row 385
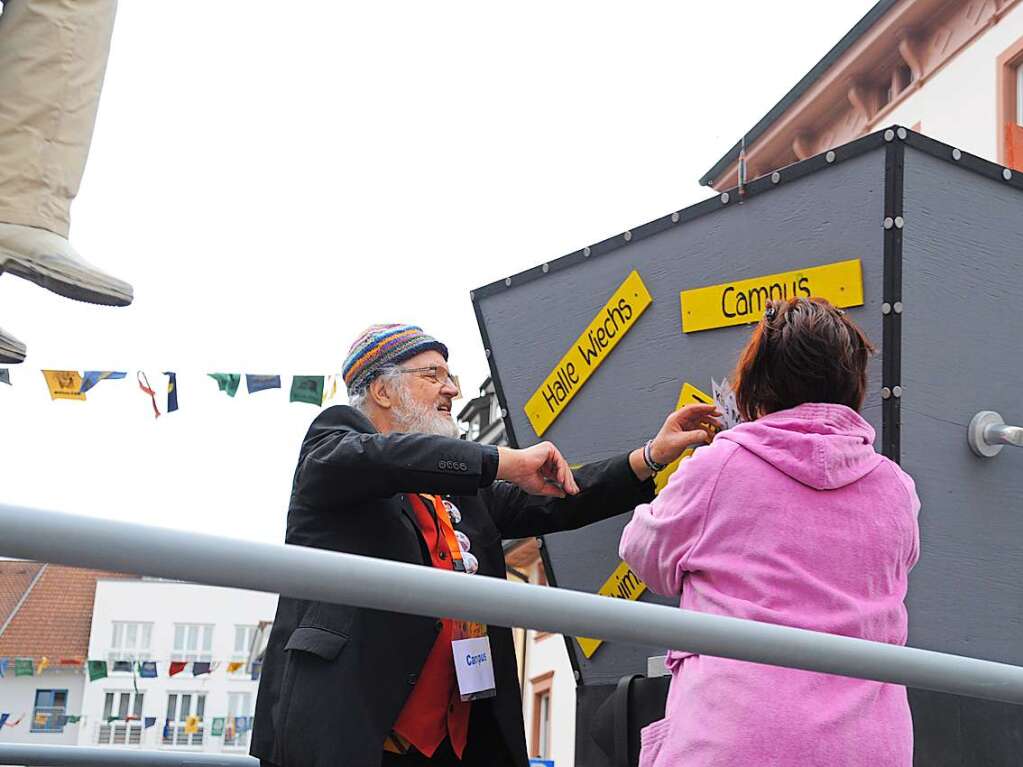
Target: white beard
column 418, row 418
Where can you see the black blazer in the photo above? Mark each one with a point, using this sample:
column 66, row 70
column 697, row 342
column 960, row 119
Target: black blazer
column 335, row 677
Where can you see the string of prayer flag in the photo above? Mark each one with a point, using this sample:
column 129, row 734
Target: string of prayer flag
column 44, row 663
column 233, row 666
column 15, row 724
column 200, row 667
column 192, row 725
column 150, row 721
column 147, row 669
column 41, row 719
column 176, row 667
column 218, row 727
column 24, row 667
column 97, row 670
column 5, row 376
column 3, row 719
column 307, row 389
column 92, row 377
column 3, row 667
column 147, row 389
column 228, row 382
column 64, row 384
column 172, row 391
column 254, row 382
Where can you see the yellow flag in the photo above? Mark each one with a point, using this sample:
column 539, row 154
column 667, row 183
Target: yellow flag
column 44, row 663
column 64, row 384
column 41, row 719
column 234, row 666
column 192, row 725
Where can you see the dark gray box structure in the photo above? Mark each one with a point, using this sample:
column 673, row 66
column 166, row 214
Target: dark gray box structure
column 939, row 234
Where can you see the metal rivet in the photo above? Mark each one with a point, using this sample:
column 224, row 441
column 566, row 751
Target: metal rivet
column 577, row 675
column 725, row 198
column 775, row 177
column 472, row 295
column 899, row 222
column 1006, row 174
column 504, row 413
column 487, row 352
column 507, row 281
column 886, row 308
column 674, row 218
column 889, row 222
column 627, row 236
column 539, row 543
column 898, row 307
column 586, row 252
column 886, row 393
column 889, row 134
column 546, row 268
column 902, row 133
column 896, row 391
column 956, row 154
column 830, row 156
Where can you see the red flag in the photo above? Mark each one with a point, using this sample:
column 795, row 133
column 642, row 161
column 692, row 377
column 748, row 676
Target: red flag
column 176, row 667
column 144, row 385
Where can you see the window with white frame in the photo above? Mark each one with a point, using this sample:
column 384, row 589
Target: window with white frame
column 193, row 642
column 181, row 706
column 239, row 704
column 131, row 641
column 121, row 724
column 243, row 638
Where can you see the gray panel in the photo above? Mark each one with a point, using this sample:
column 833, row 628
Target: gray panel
column 961, row 352
column 831, row 215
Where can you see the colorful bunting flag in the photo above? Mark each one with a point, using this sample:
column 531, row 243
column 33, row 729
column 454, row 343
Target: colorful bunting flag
column 62, row 721
column 24, row 667
column 3, row 667
column 64, row 384
column 257, row 669
column 92, row 377
column 70, row 662
column 97, row 670
column 44, row 663
column 15, row 724
column 176, row 667
column 147, row 389
column 172, row 390
column 41, row 719
column 307, row 389
column 3, row 719
column 168, row 732
column 218, row 727
column 122, row 666
column 256, row 383
column 192, row 725
column 330, row 390
column 234, row 666
column 243, row 724
column 200, row 667
column 147, row 669
column 74, row 719
column 229, row 728
column 228, row 382
column 5, row 376
column 150, row 721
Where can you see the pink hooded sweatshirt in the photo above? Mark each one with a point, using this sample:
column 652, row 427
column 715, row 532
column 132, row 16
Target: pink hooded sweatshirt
column 792, row 519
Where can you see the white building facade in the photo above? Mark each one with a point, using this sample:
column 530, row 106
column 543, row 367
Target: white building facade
column 169, row 622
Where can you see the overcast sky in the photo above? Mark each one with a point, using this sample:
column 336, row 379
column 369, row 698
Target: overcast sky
column 273, row 177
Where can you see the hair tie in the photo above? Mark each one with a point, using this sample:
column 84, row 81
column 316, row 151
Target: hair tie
column 771, row 311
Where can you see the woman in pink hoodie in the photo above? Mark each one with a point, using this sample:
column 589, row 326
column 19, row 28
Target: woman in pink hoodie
column 790, row 518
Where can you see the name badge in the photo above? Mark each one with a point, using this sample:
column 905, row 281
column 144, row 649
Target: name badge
column 474, row 668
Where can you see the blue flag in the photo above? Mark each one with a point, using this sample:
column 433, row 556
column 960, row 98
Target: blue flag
column 200, row 667
column 122, row 666
column 147, row 670
column 150, row 721
column 168, row 732
column 5, row 376
column 3, row 719
column 256, row 383
column 3, row 667
column 172, row 391
column 92, row 377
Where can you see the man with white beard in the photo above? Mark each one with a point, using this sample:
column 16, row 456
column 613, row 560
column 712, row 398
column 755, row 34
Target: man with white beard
column 386, row 476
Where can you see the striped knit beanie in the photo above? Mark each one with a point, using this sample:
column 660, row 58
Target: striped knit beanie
column 381, row 345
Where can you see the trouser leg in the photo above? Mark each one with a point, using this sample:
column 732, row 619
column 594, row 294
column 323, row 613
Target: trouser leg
column 53, row 56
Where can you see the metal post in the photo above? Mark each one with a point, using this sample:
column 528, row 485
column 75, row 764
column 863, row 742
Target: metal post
column 367, row 582
column 89, row 756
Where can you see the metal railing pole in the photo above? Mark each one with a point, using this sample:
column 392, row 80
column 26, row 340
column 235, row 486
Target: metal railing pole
column 328, row 576
column 89, row 756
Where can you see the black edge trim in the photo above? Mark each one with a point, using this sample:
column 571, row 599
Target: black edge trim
column 971, row 162
column 570, row 645
column 509, row 429
column 891, row 349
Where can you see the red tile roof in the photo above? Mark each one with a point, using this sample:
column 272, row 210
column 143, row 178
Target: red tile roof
column 55, row 619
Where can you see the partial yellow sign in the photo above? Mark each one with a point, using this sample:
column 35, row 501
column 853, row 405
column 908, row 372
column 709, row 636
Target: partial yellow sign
column 63, row 384
column 744, row 301
column 623, row 584
column 689, row 395
column 587, row 353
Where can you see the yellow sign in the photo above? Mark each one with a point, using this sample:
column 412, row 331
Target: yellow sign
column 64, row 384
column 744, row 301
column 587, row 353
column 623, row 584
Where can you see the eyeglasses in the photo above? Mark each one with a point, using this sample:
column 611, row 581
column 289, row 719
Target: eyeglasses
column 435, row 374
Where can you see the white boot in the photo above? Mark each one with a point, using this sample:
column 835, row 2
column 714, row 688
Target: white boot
column 48, row 260
column 12, row 350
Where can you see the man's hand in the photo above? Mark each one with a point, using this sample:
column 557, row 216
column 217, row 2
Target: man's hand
column 539, row 470
column 686, row 427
